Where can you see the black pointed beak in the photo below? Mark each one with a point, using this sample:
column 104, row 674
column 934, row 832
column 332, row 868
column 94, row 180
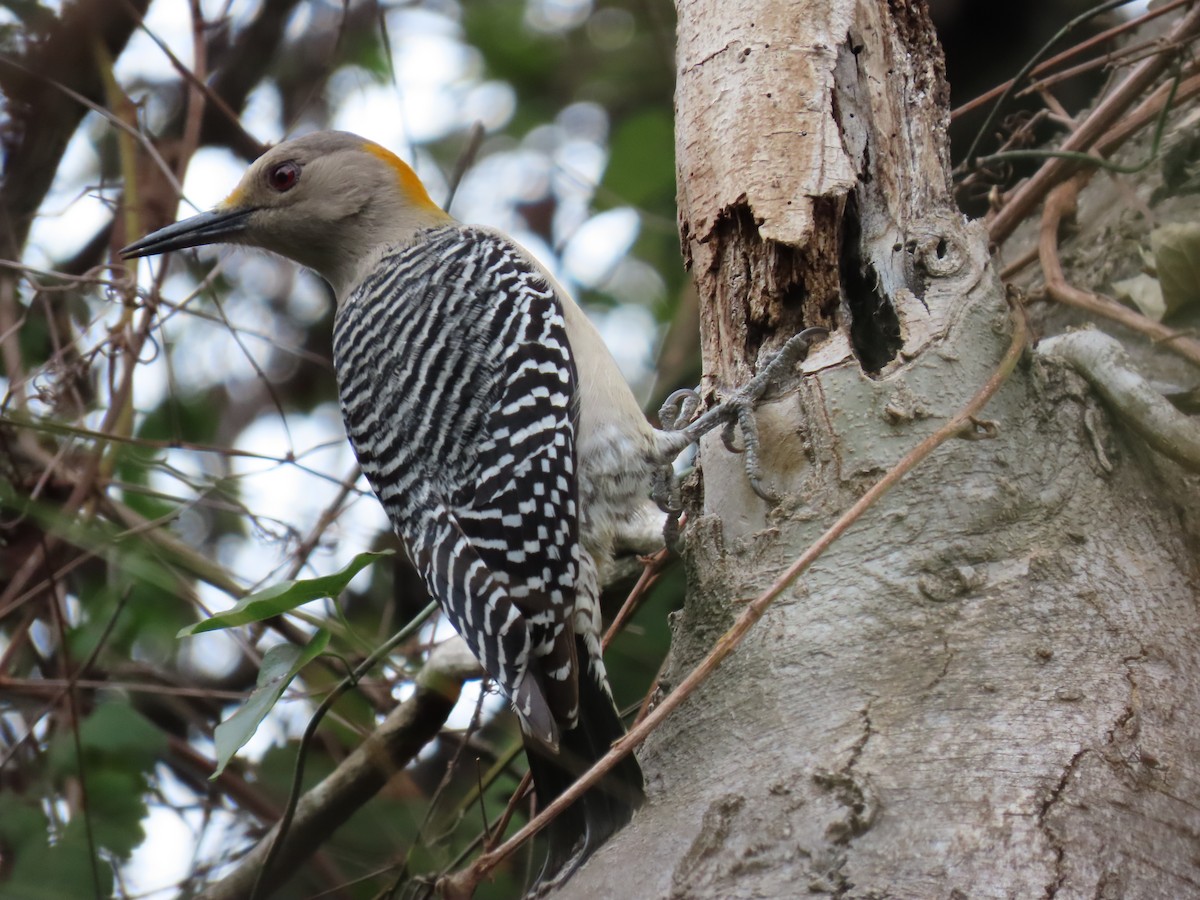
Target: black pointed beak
column 213, row 227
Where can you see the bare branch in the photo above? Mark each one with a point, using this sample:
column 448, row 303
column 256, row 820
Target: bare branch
column 383, row 754
column 44, row 118
column 1106, row 113
column 1060, row 203
column 1105, row 364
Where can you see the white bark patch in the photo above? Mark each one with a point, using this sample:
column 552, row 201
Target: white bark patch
column 760, row 128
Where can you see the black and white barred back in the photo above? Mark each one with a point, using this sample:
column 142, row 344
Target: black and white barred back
column 460, row 397
column 458, row 391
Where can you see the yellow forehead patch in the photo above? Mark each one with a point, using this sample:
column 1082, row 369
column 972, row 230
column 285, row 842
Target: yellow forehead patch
column 409, row 182
column 234, row 200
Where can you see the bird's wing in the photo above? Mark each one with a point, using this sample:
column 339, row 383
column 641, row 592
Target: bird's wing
column 458, row 389
column 521, row 515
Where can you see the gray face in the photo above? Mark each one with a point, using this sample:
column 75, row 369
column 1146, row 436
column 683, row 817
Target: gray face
column 286, row 186
column 325, row 200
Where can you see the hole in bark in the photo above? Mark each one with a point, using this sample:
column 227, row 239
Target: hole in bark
column 874, row 327
column 793, row 296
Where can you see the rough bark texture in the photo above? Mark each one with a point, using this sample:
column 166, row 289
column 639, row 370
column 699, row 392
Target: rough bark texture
column 990, row 687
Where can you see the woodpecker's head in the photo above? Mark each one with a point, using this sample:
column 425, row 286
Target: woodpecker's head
column 330, row 201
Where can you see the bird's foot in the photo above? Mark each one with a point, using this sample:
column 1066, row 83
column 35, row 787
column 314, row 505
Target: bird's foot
column 734, row 413
column 675, row 417
column 778, row 369
column 664, row 490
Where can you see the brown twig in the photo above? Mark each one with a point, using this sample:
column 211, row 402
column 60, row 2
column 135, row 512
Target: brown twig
column 255, row 48
column 510, row 810
column 71, row 682
column 653, row 566
column 82, row 496
column 1149, row 110
column 41, row 687
column 1125, row 56
column 1070, row 52
column 1060, row 204
column 462, row 884
column 1023, row 200
column 651, row 693
column 1029, row 256
column 1021, row 137
column 198, row 90
column 190, row 764
column 61, row 429
column 327, row 518
column 200, row 95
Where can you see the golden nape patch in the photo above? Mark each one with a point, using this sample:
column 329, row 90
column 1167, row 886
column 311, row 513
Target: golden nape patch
column 409, row 182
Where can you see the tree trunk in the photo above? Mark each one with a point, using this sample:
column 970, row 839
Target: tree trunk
column 989, row 687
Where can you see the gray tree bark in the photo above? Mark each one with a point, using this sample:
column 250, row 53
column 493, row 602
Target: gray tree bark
column 990, row 686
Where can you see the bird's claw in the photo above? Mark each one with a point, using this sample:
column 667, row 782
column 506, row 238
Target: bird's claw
column 679, row 409
column 665, row 490
column 779, row 366
column 679, row 416
column 748, row 425
column 729, row 435
column 738, row 409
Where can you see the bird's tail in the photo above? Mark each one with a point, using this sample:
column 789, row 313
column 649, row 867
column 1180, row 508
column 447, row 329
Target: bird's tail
column 607, row 806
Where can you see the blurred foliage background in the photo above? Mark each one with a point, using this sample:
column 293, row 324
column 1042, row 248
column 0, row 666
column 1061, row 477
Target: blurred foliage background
column 169, row 436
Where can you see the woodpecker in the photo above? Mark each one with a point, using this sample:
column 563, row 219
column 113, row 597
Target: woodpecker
column 493, row 425
column 510, row 455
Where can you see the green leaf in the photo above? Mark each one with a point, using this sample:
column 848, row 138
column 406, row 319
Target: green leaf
column 117, row 806
column 280, row 665
column 21, row 826
column 115, row 733
column 120, row 748
column 120, row 730
column 284, row 597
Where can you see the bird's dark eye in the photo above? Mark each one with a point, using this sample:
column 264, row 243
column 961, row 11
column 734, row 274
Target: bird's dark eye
column 284, row 176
